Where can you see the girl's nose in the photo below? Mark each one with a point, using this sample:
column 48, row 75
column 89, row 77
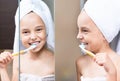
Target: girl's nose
column 33, row 36
column 80, row 36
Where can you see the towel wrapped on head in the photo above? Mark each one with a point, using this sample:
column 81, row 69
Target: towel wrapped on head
column 106, row 15
column 41, row 9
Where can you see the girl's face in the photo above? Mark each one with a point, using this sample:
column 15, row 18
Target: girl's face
column 32, row 31
column 89, row 34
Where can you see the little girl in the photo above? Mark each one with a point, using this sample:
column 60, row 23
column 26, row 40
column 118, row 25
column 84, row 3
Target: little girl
column 96, row 32
column 36, row 27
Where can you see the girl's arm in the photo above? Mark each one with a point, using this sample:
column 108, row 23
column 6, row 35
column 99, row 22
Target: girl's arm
column 5, row 59
column 104, row 60
column 4, row 75
column 112, row 76
column 78, row 70
column 15, row 76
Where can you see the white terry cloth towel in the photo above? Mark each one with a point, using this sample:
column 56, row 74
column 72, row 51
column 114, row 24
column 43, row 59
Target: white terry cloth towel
column 106, row 15
column 115, row 44
column 118, row 44
column 41, row 9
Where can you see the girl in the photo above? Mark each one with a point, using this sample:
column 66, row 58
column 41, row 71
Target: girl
column 104, row 66
column 36, row 27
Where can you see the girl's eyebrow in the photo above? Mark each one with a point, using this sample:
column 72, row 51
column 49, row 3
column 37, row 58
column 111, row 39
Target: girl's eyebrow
column 40, row 26
column 84, row 26
column 24, row 28
column 37, row 26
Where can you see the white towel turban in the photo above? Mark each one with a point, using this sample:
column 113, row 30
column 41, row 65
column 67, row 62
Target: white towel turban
column 118, row 45
column 106, row 15
column 41, row 9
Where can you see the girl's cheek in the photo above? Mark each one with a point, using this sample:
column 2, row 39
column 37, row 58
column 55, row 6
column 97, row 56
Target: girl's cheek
column 25, row 39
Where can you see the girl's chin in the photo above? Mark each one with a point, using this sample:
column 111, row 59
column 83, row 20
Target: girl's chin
column 34, row 51
column 88, row 49
column 37, row 49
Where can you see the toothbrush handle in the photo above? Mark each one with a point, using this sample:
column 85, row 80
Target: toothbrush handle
column 90, row 53
column 21, row 52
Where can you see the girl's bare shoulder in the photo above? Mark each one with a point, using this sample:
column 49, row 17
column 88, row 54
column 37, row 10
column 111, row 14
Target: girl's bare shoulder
column 49, row 54
column 82, row 60
column 117, row 57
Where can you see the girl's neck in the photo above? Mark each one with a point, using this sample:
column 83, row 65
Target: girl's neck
column 106, row 49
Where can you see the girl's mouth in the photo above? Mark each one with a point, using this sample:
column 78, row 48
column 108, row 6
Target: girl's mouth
column 36, row 43
column 84, row 44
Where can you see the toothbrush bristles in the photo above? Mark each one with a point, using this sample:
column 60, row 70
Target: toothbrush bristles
column 31, row 47
column 82, row 47
column 84, row 51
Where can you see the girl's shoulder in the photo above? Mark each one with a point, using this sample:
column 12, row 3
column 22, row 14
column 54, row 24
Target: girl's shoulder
column 117, row 56
column 83, row 60
column 48, row 54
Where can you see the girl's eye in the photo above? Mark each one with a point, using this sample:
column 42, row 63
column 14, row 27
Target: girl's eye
column 84, row 30
column 25, row 32
column 39, row 29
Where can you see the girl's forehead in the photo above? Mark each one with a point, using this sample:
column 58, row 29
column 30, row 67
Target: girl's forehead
column 31, row 19
column 84, row 21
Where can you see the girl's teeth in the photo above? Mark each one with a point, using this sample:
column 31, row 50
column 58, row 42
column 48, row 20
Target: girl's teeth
column 84, row 45
column 36, row 43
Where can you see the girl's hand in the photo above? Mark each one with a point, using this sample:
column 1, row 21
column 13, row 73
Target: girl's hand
column 103, row 59
column 5, row 59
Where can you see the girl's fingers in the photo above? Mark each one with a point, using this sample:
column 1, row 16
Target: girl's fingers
column 5, row 57
column 100, row 59
column 1, row 59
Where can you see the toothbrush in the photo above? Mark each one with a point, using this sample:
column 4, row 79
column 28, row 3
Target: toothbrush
column 82, row 46
column 23, row 51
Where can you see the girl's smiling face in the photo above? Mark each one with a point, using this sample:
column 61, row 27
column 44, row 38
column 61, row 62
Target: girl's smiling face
column 33, row 31
column 89, row 34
